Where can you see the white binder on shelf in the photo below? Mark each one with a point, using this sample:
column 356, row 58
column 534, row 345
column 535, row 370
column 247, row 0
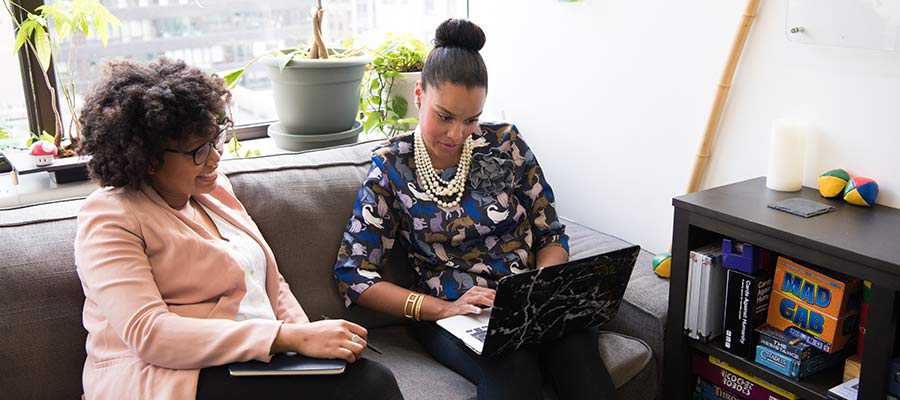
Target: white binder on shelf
column 706, row 293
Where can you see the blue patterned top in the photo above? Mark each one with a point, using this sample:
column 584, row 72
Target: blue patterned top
column 505, row 216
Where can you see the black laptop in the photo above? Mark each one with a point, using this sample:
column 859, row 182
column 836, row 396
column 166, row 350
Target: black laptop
column 545, row 304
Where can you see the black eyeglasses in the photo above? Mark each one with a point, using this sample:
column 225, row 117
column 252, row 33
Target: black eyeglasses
column 201, row 154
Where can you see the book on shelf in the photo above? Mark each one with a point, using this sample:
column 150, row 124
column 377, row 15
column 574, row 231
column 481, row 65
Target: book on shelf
column 746, row 304
column 745, row 257
column 737, row 382
column 845, row 391
column 706, row 293
column 794, row 367
column 789, row 345
column 705, row 390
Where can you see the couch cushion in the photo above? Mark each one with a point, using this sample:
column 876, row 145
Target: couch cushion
column 301, row 203
column 316, row 190
column 421, row 377
column 42, row 339
column 625, row 356
column 645, row 306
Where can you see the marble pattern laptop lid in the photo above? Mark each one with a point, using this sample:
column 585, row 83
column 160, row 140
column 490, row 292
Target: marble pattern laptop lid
column 543, row 305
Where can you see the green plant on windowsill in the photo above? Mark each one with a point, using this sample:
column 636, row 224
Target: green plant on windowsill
column 69, row 18
column 234, row 147
column 388, row 85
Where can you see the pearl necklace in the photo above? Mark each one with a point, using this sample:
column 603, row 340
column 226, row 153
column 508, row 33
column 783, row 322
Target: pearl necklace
column 434, row 185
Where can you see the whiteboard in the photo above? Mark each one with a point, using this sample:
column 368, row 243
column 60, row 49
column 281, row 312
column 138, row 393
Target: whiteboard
column 868, row 24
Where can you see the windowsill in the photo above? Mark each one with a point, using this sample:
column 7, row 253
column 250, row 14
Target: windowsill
column 39, row 188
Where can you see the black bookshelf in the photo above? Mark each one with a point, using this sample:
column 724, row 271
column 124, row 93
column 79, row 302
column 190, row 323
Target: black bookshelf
column 861, row 242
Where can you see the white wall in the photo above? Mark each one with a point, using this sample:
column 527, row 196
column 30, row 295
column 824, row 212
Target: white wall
column 613, row 97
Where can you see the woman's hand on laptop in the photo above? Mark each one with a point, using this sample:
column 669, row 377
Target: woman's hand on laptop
column 471, row 302
column 331, row 339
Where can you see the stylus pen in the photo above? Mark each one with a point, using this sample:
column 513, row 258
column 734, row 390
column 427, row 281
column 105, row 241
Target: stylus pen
column 369, row 345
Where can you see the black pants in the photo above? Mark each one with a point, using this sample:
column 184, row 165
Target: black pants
column 571, row 364
column 364, row 379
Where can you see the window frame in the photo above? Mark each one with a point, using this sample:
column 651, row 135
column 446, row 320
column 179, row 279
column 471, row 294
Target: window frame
column 37, row 94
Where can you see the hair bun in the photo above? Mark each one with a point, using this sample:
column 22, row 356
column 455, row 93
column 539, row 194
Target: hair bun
column 459, row 33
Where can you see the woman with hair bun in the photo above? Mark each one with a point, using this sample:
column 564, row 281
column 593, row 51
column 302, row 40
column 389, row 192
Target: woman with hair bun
column 470, row 204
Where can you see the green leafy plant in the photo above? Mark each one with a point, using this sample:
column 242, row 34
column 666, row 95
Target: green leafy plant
column 43, row 136
column 68, row 18
column 379, row 107
column 234, row 147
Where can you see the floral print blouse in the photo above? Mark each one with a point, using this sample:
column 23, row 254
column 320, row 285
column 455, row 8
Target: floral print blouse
column 505, row 216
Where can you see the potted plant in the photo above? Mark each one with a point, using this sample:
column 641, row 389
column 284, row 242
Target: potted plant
column 69, row 19
column 388, row 90
column 316, row 91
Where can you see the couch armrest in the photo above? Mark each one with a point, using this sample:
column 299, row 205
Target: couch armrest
column 643, row 311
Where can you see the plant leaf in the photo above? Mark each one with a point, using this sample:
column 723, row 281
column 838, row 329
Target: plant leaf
column 409, row 122
column 47, row 137
column 253, row 153
column 233, row 145
column 231, row 77
column 371, row 121
column 287, row 60
column 62, row 22
column 4, row 134
column 399, row 106
column 42, row 45
column 102, row 29
column 25, row 30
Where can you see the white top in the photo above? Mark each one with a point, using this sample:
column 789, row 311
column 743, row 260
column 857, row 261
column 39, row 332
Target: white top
column 250, row 256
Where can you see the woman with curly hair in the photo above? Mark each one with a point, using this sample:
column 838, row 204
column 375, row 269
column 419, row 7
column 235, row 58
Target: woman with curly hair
column 470, row 204
column 178, row 279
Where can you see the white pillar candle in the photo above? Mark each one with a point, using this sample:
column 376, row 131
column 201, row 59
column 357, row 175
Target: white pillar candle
column 787, row 148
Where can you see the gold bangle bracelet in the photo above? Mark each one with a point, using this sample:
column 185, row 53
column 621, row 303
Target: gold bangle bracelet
column 410, row 305
column 418, row 312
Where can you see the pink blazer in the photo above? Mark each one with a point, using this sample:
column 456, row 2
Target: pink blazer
column 161, row 296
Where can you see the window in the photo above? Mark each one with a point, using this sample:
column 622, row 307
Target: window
column 13, row 111
column 218, row 35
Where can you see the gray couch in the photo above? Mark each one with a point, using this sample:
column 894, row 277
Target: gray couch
column 301, row 203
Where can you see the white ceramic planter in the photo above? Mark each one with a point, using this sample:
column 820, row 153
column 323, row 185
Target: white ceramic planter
column 405, row 86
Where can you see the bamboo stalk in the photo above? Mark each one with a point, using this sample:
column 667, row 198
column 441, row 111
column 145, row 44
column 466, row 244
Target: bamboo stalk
column 704, row 153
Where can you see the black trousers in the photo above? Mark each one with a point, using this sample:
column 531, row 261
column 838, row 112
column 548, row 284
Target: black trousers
column 572, row 365
column 364, row 379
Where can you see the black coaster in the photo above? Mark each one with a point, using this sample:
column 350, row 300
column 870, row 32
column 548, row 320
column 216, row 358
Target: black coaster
column 803, row 207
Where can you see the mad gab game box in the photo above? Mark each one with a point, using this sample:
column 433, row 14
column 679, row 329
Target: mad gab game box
column 821, row 310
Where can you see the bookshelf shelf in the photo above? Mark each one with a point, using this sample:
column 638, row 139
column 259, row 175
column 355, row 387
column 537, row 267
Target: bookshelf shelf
column 855, row 241
column 813, row 388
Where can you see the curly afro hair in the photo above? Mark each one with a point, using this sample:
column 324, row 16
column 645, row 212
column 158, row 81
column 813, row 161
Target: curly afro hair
column 138, row 110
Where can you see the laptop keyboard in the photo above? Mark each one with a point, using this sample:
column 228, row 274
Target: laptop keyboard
column 479, row 333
